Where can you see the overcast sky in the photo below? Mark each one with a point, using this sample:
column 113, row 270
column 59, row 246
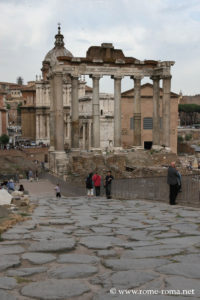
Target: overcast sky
column 144, row 29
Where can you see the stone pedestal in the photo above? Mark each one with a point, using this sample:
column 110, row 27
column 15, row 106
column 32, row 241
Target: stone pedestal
column 58, row 163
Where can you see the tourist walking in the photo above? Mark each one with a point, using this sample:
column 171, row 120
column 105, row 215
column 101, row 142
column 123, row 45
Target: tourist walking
column 173, row 180
column 97, row 183
column 57, row 189
column 107, row 183
column 30, row 175
column 89, row 185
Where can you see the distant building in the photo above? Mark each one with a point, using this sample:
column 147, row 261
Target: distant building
column 3, row 114
column 127, row 109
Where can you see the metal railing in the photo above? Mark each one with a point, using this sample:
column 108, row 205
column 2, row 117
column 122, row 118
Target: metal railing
column 157, row 189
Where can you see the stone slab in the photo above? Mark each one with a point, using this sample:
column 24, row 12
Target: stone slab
column 38, row 258
column 78, row 259
column 7, row 296
column 7, row 261
column 53, row 245
column 72, row 271
column 53, row 289
column 26, row 271
column 132, row 264
column 7, row 283
column 11, row 250
column 130, row 279
column 190, row 270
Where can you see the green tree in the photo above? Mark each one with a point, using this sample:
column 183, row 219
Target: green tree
column 189, row 113
column 8, row 106
column 4, row 139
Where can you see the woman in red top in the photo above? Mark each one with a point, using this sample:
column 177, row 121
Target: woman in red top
column 97, row 183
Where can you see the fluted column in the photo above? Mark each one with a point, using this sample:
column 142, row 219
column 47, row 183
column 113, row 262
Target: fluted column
column 58, row 108
column 95, row 111
column 75, row 114
column 84, row 136
column 89, row 134
column 166, row 110
column 137, row 111
column 51, row 116
column 117, row 111
column 156, row 110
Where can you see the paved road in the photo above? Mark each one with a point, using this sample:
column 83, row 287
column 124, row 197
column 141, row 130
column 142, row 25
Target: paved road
column 95, row 249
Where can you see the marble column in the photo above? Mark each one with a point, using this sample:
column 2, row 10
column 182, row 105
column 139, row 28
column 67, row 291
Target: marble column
column 117, row 111
column 95, row 111
column 47, row 126
column 89, row 134
column 51, row 116
column 75, row 114
column 84, row 136
column 137, row 111
column 37, row 127
column 58, row 109
column 156, row 110
column 166, row 110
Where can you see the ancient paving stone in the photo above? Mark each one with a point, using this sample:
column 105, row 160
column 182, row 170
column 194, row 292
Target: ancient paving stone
column 53, row 289
column 61, row 222
column 11, row 250
column 18, row 230
column 12, row 236
column 7, row 296
column 53, row 245
column 78, row 259
column 100, row 242
column 72, row 271
column 130, row 279
column 110, row 296
column 106, row 253
column 180, row 283
column 7, row 283
column 183, row 241
column 26, row 271
column 7, row 261
column 132, row 264
column 47, row 235
column 38, row 258
column 145, row 253
column 101, row 229
column 189, row 270
column 189, row 258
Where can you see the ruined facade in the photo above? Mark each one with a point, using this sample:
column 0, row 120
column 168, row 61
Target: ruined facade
column 147, row 117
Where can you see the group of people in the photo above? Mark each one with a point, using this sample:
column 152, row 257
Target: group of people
column 10, row 186
column 94, row 182
column 30, row 176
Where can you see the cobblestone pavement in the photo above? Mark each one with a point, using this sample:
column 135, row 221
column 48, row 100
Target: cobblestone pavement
column 97, row 249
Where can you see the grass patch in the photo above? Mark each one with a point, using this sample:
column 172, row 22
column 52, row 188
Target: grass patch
column 22, row 280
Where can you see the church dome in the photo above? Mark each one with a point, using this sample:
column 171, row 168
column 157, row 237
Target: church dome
column 58, row 50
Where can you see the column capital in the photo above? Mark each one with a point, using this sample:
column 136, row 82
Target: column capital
column 57, row 73
column 166, row 77
column 74, row 76
column 95, row 76
column 155, row 77
column 116, row 77
column 137, row 77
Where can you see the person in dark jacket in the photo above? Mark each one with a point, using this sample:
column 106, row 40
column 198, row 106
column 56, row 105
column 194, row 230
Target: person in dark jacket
column 107, row 183
column 89, row 185
column 173, row 180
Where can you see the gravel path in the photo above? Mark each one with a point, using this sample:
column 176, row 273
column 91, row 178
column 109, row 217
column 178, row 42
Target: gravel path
column 97, row 249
